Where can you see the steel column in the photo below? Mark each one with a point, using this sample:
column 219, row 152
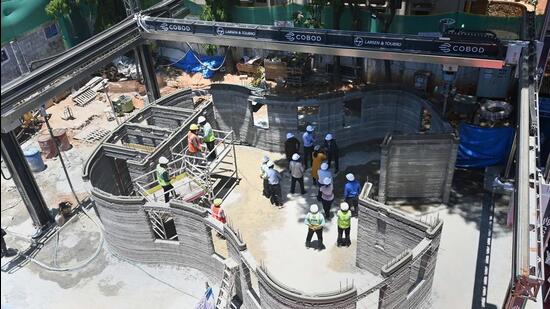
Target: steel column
column 148, row 72
column 24, row 181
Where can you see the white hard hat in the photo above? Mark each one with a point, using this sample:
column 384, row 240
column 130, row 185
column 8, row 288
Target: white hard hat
column 295, row 157
column 328, row 137
column 327, row 181
column 309, row 128
column 344, row 206
column 314, row 208
column 289, row 135
column 350, row 177
column 317, row 147
column 270, row 164
column 324, row 166
column 201, row 119
column 265, row 159
column 163, row 160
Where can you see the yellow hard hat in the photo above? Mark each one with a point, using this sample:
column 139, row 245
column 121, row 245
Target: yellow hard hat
column 194, row 127
column 217, row 202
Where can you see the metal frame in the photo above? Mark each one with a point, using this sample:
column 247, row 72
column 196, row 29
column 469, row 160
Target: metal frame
column 157, row 219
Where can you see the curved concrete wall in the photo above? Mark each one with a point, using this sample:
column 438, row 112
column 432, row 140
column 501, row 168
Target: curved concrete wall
column 383, row 111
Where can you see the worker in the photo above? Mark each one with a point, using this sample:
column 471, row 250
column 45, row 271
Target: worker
column 332, row 151
column 352, row 188
column 327, row 196
column 194, row 146
column 296, row 173
column 315, row 222
column 323, row 173
column 274, row 179
column 208, row 137
column 263, row 176
column 7, row 252
column 217, row 211
column 318, row 157
column 292, row 146
column 309, row 141
column 163, row 179
column 344, row 224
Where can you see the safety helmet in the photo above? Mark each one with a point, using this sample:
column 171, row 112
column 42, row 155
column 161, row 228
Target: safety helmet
column 350, row 177
column 327, row 181
column 270, row 164
column 324, row 166
column 265, row 159
column 218, row 202
column 289, row 135
column 317, row 148
column 201, row 119
column 309, row 128
column 314, row 208
column 295, row 157
column 328, row 137
column 163, row 160
column 344, row 206
column 193, row 127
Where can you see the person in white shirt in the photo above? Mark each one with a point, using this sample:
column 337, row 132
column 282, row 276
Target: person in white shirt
column 297, row 173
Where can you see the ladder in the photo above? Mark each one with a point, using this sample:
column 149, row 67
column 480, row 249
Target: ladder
column 228, row 282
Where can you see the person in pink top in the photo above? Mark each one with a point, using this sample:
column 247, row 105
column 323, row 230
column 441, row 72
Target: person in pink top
column 327, row 195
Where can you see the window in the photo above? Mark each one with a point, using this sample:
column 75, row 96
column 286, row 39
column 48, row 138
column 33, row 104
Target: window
column 220, row 244
column 421, row 271
column 259, row 115
column 5, row 56
column 352, row 112
column 307, row 115
column 50, row 31
column 163, row 225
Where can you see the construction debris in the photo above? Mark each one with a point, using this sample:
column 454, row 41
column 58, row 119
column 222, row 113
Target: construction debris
column 91, row 134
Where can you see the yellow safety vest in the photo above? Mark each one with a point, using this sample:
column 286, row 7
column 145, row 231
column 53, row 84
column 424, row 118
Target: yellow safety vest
column 160, row 179
column 344, row 219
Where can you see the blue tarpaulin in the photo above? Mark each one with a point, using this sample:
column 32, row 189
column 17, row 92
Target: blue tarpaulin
column 190, row 64
column 482, row 147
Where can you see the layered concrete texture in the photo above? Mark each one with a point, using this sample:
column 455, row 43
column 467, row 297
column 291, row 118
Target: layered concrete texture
column 401, row 249
column 417, row 166
column 352, row 117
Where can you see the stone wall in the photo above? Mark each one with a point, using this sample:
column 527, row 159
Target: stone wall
column 403, row 250
column 417, row 166
column 383, row 111
column 32, row 46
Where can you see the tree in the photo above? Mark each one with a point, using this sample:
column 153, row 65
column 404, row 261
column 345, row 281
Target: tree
column 387, row 19
column 219, row 10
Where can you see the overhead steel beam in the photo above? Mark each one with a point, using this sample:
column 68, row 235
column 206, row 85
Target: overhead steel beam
column 472, row 52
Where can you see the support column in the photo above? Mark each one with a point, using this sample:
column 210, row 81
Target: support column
column 25, row 182
column 148, row 71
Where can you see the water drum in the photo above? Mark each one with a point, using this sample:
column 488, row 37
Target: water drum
column 62, row 139
column 47, row 145
column 34, row 159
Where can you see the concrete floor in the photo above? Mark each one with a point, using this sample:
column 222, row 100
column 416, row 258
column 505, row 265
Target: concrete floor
column 274, row 236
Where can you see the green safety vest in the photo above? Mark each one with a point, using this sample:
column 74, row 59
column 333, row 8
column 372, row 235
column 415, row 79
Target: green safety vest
column 314, row 221
column 344, row 219
column 208, row 133
column 160, row 178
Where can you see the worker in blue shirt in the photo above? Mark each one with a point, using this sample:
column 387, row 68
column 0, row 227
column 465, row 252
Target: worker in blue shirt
column 309, row 141
column 274, row 180
column 351, row 193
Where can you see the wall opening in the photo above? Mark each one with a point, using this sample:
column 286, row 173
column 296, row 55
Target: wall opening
column 252, row 283
column 5, row 56
column 260, row 117
column 220, row 244
column 307, row 115
column 163, row 225
column 352, row 112
column 50, row 31
column 421, row 272
column 381, row 229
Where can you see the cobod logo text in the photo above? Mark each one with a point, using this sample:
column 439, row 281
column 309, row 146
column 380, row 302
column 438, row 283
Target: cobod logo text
column 174, row 27
column 291, row 36
column 447, row 48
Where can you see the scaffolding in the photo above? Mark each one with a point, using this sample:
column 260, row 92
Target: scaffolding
column 196, row 178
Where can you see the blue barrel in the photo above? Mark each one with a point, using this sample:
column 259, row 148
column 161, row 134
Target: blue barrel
column 34, row 158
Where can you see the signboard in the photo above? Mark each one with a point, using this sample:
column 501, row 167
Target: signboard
column 177, row 27
column 234, row 31
column 303, row 37
column 373, row 42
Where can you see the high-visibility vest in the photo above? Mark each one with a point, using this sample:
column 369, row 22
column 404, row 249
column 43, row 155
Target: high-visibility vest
column 208, row 133
column 160, row 179
column 190, row 137
column 218, row 214
column 344, row 219
column 314, row 221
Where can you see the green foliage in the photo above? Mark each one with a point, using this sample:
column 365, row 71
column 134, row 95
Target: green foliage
column 259, row 77
column 109, row 12
column 59, row 8
column 216, row 10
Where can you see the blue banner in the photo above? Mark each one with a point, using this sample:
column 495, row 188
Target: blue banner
column 481, row 147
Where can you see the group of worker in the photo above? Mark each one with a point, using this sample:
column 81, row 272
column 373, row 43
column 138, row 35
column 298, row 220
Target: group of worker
column 320, row 158
column 195, row 141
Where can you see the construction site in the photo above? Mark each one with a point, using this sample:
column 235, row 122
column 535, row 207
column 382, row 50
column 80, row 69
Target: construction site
column 139, row 170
